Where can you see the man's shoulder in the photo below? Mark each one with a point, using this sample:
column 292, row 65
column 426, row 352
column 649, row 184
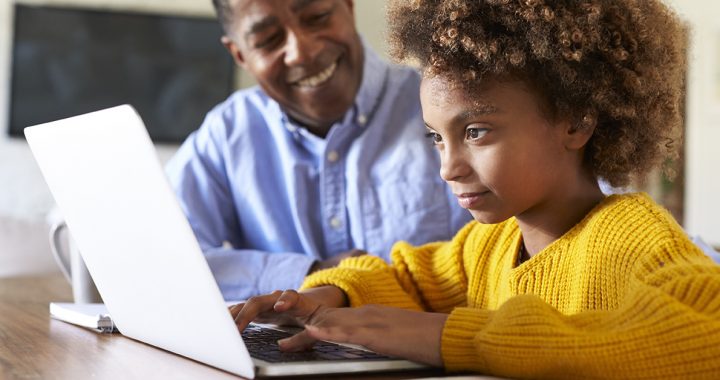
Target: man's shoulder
column 405, row 76
column 242, row 109
column 399, row 77
column 401, row 90
column 243, row 102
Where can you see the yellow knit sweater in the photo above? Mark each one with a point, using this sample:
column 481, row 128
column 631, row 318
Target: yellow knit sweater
column 623, row 294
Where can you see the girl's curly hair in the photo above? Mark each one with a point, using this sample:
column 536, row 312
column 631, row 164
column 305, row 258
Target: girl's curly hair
column 617, row 65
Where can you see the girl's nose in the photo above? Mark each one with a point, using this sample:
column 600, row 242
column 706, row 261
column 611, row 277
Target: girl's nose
column 453, row 164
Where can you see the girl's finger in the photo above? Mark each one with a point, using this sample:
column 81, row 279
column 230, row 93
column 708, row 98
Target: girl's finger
column 286, row 301
column 254, row 307
column 298, row 342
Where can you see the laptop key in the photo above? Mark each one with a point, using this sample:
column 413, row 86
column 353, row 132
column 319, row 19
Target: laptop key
column 262, row 344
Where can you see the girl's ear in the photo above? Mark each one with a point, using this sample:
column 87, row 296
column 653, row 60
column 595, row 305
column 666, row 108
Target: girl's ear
column 578, row 134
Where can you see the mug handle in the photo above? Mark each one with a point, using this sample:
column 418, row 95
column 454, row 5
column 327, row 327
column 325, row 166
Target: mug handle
column 61, row 258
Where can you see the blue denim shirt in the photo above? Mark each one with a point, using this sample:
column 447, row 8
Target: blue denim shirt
column 266, row 198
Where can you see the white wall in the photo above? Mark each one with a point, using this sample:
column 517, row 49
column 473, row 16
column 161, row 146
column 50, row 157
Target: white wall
column 702, row 181
column 24, row 197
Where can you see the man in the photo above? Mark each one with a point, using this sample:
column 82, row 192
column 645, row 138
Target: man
column 325, row 156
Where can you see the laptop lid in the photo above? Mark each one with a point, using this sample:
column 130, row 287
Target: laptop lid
column 107, row 180
column 109, row 184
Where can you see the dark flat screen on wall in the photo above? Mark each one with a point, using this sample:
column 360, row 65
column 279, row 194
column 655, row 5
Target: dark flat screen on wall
column 68, row 61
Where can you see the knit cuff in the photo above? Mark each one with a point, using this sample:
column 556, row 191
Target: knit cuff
column 458, row 346
column 360, row 291
column 348, row 281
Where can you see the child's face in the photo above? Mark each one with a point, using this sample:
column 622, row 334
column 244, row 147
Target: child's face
column 499, row 154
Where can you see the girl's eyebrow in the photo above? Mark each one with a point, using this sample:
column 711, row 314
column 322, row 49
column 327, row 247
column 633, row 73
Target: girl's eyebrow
column 482, row 109
column 464, row 116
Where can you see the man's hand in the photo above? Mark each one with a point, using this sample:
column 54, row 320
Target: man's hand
column 334, row 261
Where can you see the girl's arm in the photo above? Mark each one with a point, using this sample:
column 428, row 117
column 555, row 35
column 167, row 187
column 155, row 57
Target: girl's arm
column 666, row 326
column 430, row 277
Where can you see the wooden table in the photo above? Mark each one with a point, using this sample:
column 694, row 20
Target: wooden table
column 34, row 346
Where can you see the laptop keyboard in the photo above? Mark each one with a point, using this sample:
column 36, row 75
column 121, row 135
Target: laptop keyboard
column 261, row 342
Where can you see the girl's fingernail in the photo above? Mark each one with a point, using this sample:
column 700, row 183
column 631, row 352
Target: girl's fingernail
column 279, row 303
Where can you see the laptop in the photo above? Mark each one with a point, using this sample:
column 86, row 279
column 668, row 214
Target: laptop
column 107, row 180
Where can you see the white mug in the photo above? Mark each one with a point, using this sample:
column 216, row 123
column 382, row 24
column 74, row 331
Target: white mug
column 72, row 265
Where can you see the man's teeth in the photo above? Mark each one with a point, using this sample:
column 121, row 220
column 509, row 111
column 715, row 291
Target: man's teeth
column 318, row 79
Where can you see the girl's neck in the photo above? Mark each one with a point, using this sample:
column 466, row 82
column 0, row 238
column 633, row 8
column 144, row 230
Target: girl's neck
column 549, row 221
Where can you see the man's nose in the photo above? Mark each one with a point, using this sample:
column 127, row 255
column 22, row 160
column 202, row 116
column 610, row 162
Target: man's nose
column 301, row 48
column 453, row 164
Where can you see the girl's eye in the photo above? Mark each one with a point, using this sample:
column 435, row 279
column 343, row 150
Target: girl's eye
column 474, row 133
column 434, row 137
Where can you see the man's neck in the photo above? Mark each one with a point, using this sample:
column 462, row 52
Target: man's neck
column 317, row 129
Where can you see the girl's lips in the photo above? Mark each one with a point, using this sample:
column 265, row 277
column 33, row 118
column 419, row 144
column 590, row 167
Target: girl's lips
column 468, row 200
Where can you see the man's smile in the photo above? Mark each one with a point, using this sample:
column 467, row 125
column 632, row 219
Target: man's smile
column 317, row 79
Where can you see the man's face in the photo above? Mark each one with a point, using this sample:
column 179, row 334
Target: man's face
column 305, row 54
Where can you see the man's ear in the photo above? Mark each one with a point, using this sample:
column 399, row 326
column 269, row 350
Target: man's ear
column 578, row 134
column 234, row 50
column 351, row 5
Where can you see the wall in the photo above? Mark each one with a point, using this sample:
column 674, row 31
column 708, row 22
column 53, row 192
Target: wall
column 24, row 197
column 702, row 178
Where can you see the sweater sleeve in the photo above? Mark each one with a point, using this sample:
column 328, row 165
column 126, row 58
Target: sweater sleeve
column 667, row 325
column 430, row 277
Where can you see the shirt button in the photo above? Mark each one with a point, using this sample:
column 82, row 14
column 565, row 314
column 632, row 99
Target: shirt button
column 333, row 156
column 335, row 223
column 362, row 120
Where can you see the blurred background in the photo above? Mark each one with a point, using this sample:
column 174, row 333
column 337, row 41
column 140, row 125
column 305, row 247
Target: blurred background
column 64, row 57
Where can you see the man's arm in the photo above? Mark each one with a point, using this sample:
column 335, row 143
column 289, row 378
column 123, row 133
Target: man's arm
column 244, row 273
column 199, row 175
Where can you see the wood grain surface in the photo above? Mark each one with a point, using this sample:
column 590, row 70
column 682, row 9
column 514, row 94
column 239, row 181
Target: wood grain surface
column 34, row 346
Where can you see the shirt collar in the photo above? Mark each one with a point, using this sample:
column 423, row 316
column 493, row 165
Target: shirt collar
column 371, row 89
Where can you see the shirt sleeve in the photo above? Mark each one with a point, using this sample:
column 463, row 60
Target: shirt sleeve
column 243, row 273
column 198, row 177
column 430, row 277
column 667, row 325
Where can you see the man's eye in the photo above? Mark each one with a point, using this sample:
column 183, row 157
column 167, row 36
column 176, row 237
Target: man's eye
column 269, row 42
column 318, row 18
column 475, row 133
column 434, row 137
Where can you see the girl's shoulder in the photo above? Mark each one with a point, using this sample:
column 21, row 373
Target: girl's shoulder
column 633, row 225
column 637, row 211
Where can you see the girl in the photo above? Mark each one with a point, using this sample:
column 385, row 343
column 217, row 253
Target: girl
column 530, row 104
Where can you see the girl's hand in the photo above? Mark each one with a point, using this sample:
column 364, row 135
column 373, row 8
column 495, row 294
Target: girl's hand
column 286, row 307
column 386, row 330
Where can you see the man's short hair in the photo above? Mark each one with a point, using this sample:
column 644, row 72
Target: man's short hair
column 223, row 9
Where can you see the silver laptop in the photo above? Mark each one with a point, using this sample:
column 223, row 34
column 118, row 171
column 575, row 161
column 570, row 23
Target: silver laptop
column 107, row 180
